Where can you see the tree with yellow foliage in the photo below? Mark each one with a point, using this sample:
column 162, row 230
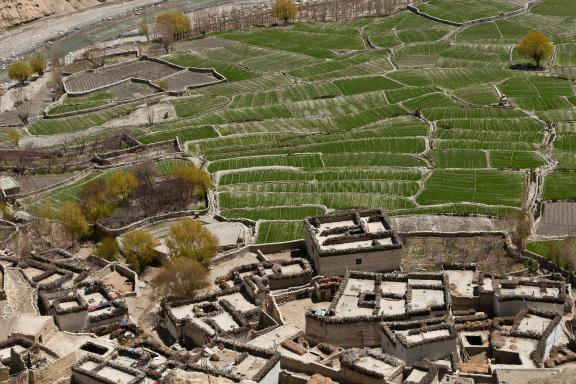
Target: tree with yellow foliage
column 181, row 278
column 19, row 71
column 537, row 46
column 72, row 218
column 194, row 178
column 13, row 136
column 284, row 10
column 190, row 239
column 38, row 64
column 122, row 184
column 176, row 22
column 138, row 247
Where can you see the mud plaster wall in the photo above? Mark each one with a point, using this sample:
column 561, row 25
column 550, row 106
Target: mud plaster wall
column 433, row 350
column 56, row 370
column 71, row 322
column 512, row 307
column 379, row 261
column 347, row 335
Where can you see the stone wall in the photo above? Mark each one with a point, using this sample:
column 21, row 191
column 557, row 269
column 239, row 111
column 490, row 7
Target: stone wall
column 277, row 247
column 347, row 334
column 433, row 350
column 2, row 283
column 54, row 371
column 379, row 261
column 71, row 322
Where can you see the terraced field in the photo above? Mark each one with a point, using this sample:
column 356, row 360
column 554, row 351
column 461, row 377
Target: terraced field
column 398, row 112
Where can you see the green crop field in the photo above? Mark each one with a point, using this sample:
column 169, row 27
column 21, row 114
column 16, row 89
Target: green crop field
column 461, row 11
column 400, row 112
column 279, row 231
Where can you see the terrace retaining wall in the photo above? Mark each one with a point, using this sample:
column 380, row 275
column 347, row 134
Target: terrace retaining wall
column 215, row 73
column 2, row 283
column 502, row 15
column 114, row 103
column 101, row 229
column 278, row 247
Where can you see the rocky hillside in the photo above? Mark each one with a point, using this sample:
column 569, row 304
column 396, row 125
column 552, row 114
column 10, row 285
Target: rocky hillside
column 15, row 12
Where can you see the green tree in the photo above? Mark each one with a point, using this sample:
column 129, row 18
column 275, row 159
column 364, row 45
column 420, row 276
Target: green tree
column 122, row 184
column 107, row 249
column 38, row 64
column 181, row 278
column 19, row 71
column 138, row 247
column 537, row 46
column 190, row 239
column 284, row 10
column 72, row 218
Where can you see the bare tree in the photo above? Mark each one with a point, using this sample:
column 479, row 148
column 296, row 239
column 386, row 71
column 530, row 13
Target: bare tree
column 165, row 32
column 23, row 105
column 57, row 63
column 150, row 114
column 97, row 56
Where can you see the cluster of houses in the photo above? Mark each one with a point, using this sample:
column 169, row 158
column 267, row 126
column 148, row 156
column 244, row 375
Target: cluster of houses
column 341, row 308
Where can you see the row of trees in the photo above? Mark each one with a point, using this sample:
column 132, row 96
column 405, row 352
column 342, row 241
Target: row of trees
column 21, row 71
column 187, row 239
column 173, row 26
column 133, row 194
column 168, row 28
column 191, row 246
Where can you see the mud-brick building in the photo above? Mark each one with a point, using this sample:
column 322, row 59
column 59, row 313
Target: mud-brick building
column 361, row 240
column 413, row 341
column 23, row 361
column 8, row 187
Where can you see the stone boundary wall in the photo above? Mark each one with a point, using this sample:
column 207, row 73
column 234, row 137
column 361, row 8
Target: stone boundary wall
column 3, row 283
column 502, row 15
column 102, row 229
column 141, row 58
column 220, row 79
column 38, row 194
column 246, row 222
column 114, row 103
column 113, row 54
column 123, row 270
column 277, row 247
column 215, row 73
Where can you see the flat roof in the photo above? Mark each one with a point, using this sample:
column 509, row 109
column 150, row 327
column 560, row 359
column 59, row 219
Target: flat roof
column 352, row 232
column 375, row 365
column 461, row 282
column 7, row 182
column 427, row 291
column 427, row 335
column 533, row 323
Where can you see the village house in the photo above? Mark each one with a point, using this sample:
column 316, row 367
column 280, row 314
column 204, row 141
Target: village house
column 352, row 241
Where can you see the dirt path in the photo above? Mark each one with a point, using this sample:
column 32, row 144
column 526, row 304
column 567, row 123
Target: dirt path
column 20, row 295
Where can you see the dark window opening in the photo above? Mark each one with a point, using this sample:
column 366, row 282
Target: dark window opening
column 370, row 297
column 94, row 348
column 474, row 340
column 358, row 261
column 505, row 357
